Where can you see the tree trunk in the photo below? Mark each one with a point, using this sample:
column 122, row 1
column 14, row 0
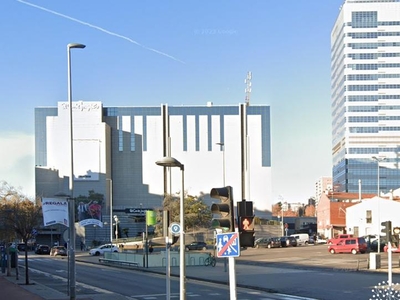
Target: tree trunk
column 26, row 266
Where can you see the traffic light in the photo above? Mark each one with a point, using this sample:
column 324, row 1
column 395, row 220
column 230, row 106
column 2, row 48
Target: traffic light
column 225, row 209
column 387, row 230
column 396, row 232
column 246, row 223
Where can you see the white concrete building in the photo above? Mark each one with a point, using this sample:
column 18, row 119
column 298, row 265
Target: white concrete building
column 119, row 146
column 365, row 218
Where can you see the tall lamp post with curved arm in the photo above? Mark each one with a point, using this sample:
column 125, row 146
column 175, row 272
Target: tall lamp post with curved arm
column 172, row 162
column 72, row 281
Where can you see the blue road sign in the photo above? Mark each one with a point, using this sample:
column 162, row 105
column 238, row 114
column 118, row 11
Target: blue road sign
column 228, row 244
column 175, row 228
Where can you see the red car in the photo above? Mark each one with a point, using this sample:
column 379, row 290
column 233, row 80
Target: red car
column 349, row 245
column 339, row 237
column 394, row 249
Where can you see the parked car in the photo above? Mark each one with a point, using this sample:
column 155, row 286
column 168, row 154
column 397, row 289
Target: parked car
column 288, row 241
column 102, row 249
column 373, row 245
column 58, row 250
column 301, row 238
column 42, row 249
column 338, row 238
column 21, row 247
column 349, row 245
column 320, row 240
column 272, row 242
column 196, row 246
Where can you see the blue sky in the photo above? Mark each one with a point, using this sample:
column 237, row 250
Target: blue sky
column 144, row 53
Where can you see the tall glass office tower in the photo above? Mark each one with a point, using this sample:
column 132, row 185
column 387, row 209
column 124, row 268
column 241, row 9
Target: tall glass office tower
column 365, row 94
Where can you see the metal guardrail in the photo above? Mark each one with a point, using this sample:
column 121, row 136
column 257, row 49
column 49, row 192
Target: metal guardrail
column 118, row 262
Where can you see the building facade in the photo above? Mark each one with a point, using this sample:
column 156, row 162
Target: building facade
column 115, row 150
column 322, row 185
column 365, row 83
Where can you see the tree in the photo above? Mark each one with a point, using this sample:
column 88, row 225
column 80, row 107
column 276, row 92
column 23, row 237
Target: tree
column 197, row 213
column 21, row 216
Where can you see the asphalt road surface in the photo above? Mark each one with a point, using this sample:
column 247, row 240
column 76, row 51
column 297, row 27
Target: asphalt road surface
column 306, row 271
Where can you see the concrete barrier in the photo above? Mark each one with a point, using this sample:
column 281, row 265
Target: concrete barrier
column 374, row 261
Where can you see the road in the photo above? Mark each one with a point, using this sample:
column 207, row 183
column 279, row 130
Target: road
column 92, row 279
column 309, row 271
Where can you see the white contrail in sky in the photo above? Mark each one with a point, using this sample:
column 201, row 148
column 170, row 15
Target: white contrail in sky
column 101, row 29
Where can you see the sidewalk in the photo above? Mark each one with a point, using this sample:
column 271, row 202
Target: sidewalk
column 13, row 291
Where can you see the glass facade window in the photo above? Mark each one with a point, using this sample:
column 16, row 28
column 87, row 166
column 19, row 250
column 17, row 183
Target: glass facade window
column 364, row 19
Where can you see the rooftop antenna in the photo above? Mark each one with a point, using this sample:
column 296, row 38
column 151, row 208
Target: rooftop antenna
column 247, row 81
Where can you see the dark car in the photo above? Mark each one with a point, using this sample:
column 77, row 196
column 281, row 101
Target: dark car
column 21, row 247
column 43, row 249
column 196, row 246
column 288, row 241
column 373, row 246
column 273, row 242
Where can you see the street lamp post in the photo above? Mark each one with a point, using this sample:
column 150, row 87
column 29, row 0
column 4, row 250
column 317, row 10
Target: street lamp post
column 71, row 207
column 223, row 161
column 172, row 162
column 111, row 210
column 378, row 160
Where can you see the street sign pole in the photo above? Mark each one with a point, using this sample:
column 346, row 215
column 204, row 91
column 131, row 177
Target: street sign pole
column 232, row 278
column 228, row 246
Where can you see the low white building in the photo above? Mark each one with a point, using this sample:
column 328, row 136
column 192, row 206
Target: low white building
column 365, row 218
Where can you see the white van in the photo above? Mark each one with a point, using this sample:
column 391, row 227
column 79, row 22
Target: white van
column 302, row 238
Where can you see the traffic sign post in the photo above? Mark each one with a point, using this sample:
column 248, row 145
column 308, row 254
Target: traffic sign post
column 228, row 245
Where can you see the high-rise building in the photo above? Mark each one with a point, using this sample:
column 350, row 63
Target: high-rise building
column 118, row 147
column 365, row 92
column 322, row 185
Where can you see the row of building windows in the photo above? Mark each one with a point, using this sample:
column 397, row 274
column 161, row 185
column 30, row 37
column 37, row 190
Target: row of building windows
column 369, row 108
column 371, row 66
column 377, row 150
column 372, row 98
column 362, row 98
column 371, row 119
column 373, row 129
column 371, row 87
column 371, row 55
column 363, row 119
column 363, row 77
column 371, row 35
column 371, row 24
column 372, row 45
